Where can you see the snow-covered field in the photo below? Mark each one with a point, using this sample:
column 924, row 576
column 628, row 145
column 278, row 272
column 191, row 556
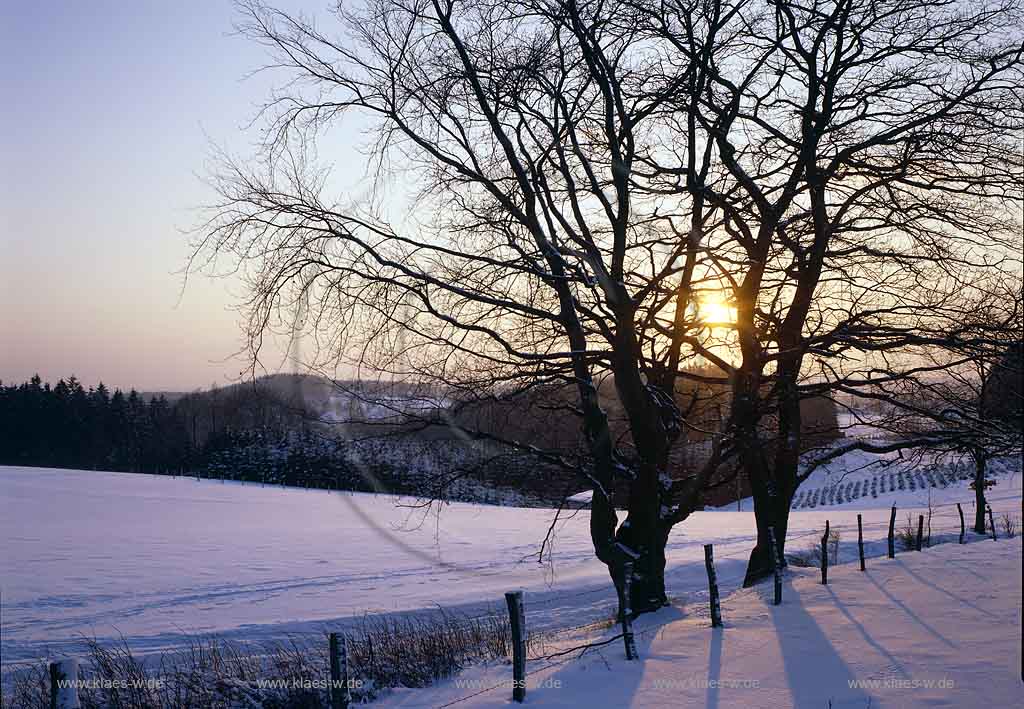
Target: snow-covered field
column 156, row 559
column 868, row 480
column 939, row 628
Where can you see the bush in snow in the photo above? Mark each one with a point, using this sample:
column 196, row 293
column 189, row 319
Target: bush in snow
column 1009, row 525
column 802, row 558
column 907, row 534
column 811, row 556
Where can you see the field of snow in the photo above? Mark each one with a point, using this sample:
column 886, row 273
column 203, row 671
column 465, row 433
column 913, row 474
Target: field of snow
column 869, row 480
column 939, row 628
column 154, row 559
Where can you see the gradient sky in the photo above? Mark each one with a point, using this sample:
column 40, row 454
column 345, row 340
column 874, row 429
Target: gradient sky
column 109, row 111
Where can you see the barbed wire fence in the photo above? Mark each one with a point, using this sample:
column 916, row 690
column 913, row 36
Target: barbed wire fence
column 944, row 527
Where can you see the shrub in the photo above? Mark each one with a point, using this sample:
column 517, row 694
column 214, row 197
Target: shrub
column 811, row 556
column 1009, row 525
column 802, row 558
column 907, row 534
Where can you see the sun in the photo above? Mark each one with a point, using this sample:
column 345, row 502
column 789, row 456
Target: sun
column 714, row 310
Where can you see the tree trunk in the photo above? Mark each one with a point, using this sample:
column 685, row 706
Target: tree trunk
column 770, row 510
column 653, row 424
column 979, row 491
column 772, row 493
column 773, row 497
column 647, row 589
column 642, row 538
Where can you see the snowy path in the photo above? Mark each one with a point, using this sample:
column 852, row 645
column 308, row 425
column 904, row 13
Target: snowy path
column 939, row 628
column 157, row 558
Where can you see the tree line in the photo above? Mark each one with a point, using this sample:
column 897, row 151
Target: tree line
column 67, row 425
column 70, row 425
column 254, row 432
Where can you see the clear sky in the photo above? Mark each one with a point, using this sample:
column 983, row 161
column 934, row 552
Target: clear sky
column 109, row 111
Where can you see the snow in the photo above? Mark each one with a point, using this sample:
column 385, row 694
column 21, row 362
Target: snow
column 933, row 628
column 921, row 482
column 156, row 558
column 581, row 498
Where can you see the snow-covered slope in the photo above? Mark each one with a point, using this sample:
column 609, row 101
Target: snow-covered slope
column 154, row 558
column 937, row 628
column 868, row 480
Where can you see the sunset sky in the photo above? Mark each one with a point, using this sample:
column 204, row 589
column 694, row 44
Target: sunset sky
column 110, row 109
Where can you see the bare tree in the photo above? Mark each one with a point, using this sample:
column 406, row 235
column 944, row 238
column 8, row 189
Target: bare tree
column 580, row 176
column 963, row 400
column 536, row 258
column 869, row 170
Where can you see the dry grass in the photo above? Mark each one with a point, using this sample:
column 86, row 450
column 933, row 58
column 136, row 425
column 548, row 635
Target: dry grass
column 1010, row 526
column 906, row 536
column 811, row 556
column 404, row 651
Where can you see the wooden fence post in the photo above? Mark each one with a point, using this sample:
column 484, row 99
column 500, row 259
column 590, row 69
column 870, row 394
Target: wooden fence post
column 991, row 522
column 892, row 533
column 63, row 684
column 824, row 555
column 517, row 620
column 713, row 598
column 340, row 695
column 920, row 532
column 627, row 611
column 962, row 529
column 860, row 541
column 777, row 566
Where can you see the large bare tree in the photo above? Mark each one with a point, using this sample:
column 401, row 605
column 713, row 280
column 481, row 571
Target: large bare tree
column 576, row 177
column 962, row 402
column 870, row 174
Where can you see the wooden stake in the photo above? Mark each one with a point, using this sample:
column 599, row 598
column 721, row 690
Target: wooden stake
column 860, row 541
column 340, row 695
column 991, row 522
column 824, row 555
column 962, row 528
column 713, row 598
column 777, row 564
column 627, row 611
column 63, row 684
column 920, row 532
column 892, row 533
column 517, row 620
